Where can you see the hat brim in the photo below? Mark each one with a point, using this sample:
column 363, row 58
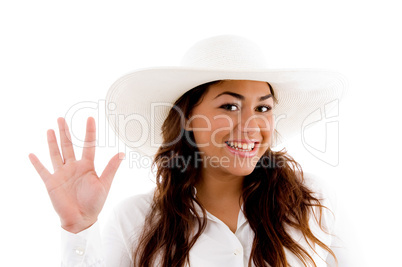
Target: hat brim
column 138, row 103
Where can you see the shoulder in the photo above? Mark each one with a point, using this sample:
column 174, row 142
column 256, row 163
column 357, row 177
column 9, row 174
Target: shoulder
column 125, row 222
column 134, row 207
column 140, row 202
column 128, row 216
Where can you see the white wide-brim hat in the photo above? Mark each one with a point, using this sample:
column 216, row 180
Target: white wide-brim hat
column 138, row 103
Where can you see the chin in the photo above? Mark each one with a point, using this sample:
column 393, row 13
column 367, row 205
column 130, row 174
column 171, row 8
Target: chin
column 241, row 169
column 242, row 172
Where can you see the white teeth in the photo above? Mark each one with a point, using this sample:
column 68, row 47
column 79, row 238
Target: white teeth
column 241, row 146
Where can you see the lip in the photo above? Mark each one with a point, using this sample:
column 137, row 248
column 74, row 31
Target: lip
column 245, row 154
column 247, row 141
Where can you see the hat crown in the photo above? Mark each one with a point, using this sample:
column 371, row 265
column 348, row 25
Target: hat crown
column 229, row 52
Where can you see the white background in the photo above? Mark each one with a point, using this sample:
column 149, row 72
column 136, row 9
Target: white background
column 56, row 54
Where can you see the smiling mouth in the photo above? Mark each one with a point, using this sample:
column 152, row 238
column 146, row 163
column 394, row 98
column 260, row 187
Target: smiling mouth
column 245, row 147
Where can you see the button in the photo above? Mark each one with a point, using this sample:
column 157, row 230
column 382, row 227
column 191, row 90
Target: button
column 80, row 251
column 237, row 251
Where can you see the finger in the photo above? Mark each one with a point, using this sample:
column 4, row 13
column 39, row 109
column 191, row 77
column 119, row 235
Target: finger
column 54, row 151
column 65, row 141
column 42, row 171
column 90, row 140
column 111, row 168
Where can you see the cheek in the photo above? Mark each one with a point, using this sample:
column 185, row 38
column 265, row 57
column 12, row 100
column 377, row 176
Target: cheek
column 267, row 126
column 222, row 124
column 202, row 128
column 209, row 132
column 221, row 130
column 257, row 122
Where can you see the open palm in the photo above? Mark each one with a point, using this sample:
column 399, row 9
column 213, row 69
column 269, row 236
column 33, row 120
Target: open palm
column 76, row 191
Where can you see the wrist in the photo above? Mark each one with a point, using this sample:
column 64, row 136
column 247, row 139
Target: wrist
column 77, row 227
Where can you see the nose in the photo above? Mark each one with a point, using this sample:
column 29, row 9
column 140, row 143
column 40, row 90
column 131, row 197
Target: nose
column 252, row 123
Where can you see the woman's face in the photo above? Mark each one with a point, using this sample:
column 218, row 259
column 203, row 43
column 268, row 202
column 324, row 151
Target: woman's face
column 232, row 125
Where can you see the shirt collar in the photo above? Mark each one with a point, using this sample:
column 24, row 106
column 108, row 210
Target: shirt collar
column 241, row 217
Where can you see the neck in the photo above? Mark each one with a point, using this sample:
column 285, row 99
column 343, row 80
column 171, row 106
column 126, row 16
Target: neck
column 219, row 188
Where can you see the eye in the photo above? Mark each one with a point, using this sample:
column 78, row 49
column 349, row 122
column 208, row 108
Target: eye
column 230, row 107
column 234, row 107
column 265, row 108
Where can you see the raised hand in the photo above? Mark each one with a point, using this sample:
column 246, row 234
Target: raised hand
column 76, row 191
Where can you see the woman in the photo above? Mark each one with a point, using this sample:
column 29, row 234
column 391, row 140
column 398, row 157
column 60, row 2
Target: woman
column 223, row 197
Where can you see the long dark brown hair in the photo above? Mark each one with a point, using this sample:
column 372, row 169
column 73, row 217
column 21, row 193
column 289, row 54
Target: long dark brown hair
column 274, row 197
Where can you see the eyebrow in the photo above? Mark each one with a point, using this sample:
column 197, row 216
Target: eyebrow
column 241, row 97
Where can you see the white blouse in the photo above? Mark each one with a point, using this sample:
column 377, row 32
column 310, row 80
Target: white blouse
column 217, row 246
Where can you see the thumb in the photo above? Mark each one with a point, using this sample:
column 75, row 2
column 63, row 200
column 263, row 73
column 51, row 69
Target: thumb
column 111, row 168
